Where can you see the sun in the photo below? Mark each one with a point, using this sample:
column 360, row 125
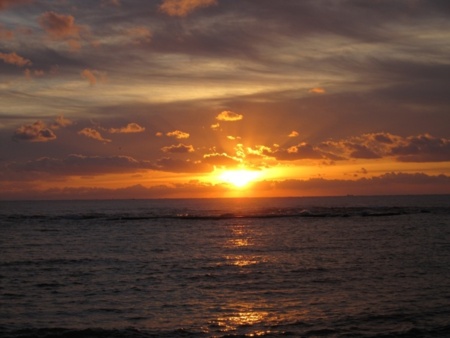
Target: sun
column 240, row 177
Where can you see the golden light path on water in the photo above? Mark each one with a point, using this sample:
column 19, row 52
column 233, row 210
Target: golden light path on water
column 245, row 314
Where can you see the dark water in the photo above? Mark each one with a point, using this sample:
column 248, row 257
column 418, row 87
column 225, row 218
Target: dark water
column 300, row 267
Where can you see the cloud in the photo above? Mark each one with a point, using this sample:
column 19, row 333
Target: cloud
column 183, row 7
column 36, row 132
column 179, row 149
column 139, row 35
column 229, row 116
column 299, row 152
column 223, row 159
column 61, row 122
column 182, row 166
column 93, row 76
column 362, row 151
column 129, row 128
column 215, row 126
column 422, row 148
column 386, row 184
column 14, row 59
column 316, row 90
column 93, row 134
column 293, row 134
column 178, row 134
column 7, row 3
column 61, row 27
column 79, row 165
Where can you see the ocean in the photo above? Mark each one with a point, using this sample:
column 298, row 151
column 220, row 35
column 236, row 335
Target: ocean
column 349, row 266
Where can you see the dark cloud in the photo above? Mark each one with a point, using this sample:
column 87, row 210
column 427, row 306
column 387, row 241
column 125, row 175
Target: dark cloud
column 299, row 152
column 36, row 132
column 361, row 151
column 182, row 166
column 422, row 148
column 218, row 159
column 386, row 184
column 75, row 165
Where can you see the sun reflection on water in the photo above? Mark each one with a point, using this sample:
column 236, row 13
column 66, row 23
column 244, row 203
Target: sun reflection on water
column 241, row 319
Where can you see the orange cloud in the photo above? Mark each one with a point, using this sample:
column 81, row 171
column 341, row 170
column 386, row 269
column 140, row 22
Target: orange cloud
column 140, row 34
column 36, row 132
column 180, row 149
column 89, row 75
column 182, row 166
column 215, row 126
column 61, row 122
column 220, row 159
column 293, row 134
column 178, row 134
column 14, row 59
column 183, row 7
column 130, row 128
column 93, row 76
column 317, row 90
column 229, row 116
column 61, row 27
column 93, row 134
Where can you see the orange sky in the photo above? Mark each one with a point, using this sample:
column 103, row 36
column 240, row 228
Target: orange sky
column 216, row 98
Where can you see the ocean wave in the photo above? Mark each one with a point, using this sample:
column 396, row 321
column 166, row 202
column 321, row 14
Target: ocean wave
column 221, row 215
column 298, row 329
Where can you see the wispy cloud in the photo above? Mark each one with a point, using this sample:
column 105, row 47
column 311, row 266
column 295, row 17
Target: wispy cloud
column 183, row 7
column 129, row 128
column 93, row 134
column 14, row 59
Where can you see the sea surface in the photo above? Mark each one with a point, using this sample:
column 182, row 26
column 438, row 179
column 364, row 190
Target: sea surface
column 299, row 267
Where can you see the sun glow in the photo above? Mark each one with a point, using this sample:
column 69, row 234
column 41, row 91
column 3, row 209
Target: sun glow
column 239, row 178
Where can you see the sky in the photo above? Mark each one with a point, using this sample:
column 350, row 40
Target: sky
column 223, row 98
